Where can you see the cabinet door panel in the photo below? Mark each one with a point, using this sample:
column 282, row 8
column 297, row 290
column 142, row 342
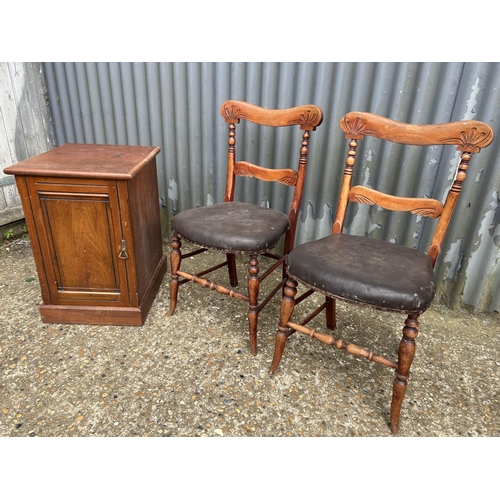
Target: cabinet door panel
column 83, row 238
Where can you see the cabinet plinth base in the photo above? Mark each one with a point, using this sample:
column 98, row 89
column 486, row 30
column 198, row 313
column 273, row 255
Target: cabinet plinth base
column 104, row 315
column 92, row 315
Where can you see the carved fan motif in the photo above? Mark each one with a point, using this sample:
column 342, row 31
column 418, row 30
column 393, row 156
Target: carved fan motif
column 472, row 141
column 243, row 173
column 355, row 129
column 363, row 199
column 473, row 138
column 424, row 211
column 233, row 114
column 287, row 181
column 307, row 119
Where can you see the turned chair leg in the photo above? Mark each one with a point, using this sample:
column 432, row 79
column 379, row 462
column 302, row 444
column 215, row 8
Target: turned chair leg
column 406, row 353
column 231, row 265
column 175, row 264
column 287, row 306
column 253, row 301
column 331, row 319
column 284, row 272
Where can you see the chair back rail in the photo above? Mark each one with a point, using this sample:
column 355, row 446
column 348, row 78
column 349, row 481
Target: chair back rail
column 467, row 135
column 285, row 176
column 426, row 207
column 307, row 116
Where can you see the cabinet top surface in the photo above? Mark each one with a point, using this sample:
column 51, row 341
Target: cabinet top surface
column 87, row 160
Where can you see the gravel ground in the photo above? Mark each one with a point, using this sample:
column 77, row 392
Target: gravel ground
column 193, row 375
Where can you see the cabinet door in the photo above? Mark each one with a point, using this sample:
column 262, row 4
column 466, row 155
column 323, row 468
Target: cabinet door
column 80, row 235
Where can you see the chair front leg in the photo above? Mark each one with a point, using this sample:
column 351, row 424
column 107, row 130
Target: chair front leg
column 406, row 352
column 287, row 306
column 253, row 301
column 175, row 264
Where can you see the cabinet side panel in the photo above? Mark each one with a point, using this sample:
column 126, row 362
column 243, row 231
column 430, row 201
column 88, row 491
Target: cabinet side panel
column 146, row 225
column 34, row 238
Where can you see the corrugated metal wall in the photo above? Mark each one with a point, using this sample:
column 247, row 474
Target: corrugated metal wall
column 176, row 106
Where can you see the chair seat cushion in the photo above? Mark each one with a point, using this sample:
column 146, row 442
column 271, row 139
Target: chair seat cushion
column 355, row 268
column 232, row 227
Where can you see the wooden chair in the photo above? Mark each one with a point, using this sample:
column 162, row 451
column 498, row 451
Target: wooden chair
column 372, row 272
column 235, row 227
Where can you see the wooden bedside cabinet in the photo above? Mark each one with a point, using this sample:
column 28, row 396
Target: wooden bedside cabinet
column 93, row 216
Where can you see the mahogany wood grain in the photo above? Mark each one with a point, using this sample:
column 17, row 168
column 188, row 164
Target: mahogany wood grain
column 144, row 214
column 78, row 238
column 89, row 161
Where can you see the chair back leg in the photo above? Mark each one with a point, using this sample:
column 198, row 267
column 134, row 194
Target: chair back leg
column 231, row 265
column 253, row 301
column 331, row 319
column 406, row 353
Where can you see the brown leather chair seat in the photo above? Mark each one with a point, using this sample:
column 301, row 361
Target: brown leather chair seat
column 232, row 227
column 375, row 272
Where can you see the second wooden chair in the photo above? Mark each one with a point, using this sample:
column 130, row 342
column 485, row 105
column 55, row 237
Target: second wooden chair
column 372, row 272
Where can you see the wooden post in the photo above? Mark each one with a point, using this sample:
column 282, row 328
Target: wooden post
column 253, row 301
column 406, row 352
column 175, row 264
column 287, row 306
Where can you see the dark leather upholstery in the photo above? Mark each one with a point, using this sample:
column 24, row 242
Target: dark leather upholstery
column 378, row 273
column 232, row 226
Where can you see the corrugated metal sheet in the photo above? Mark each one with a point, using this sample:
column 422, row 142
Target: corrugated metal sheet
column 176, row 106
column 24, row 128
